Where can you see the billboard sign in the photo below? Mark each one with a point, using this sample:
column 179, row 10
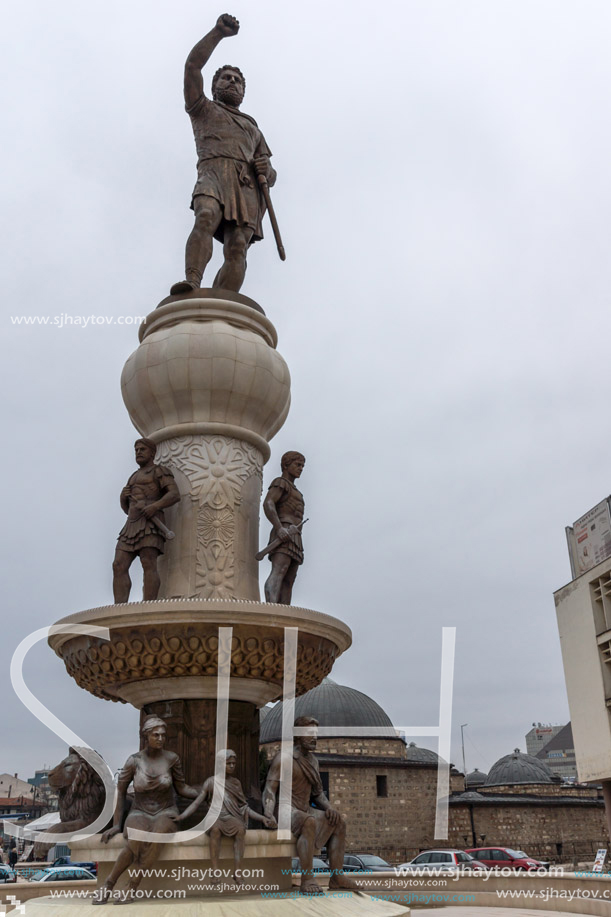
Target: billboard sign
column 599, row 862
column 589, row 538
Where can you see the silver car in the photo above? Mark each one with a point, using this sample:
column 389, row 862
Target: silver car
column 441, row 861
column 61, row 874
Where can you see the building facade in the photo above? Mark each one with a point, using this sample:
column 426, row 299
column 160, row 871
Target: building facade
column 12, row 787
column 387, row 789
column 583, row 611
column 559, row 754
column 524, row 805
column 538, row 737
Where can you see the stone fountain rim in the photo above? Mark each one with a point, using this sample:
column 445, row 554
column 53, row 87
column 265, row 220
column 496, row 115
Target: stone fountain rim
column 221, row 611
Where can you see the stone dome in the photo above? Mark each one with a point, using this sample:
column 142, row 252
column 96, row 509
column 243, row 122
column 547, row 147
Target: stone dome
column 421, row 755
column 332, row 705
column 518, row 768
column 263, row 712
column 475, row 778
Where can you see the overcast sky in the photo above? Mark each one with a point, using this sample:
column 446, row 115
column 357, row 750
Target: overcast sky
column 444, row 194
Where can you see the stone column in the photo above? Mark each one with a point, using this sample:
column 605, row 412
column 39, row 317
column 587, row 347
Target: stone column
column 208, row 385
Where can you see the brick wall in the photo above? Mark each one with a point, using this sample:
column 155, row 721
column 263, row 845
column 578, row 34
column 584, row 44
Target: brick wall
column 385, row 748
column 543, row 789
column 559, row 832
column 390, row 826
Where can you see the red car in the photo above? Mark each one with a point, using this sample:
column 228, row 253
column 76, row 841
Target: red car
column 500, row 857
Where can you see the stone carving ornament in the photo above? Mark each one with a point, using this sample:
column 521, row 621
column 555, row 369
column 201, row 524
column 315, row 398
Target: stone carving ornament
column 180, row 650
column 217, row 468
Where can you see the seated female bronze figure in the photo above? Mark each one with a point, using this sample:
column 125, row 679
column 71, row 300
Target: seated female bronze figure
column 157, row 775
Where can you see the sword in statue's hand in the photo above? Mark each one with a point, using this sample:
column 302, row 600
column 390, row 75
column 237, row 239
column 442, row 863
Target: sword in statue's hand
column 167, row 533
column 262, row 179
column 291, row 529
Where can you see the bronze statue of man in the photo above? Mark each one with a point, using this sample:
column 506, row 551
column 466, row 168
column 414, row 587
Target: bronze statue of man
column 148, row 491
column 284, row 507
column 313, row 827
column 231, row 154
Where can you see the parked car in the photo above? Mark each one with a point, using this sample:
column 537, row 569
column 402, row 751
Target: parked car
column 7, row 874
column 66, row 861
column 446, row 860
column 318, row 864
column 70, row 873
column 365, row 862
column 506, row 856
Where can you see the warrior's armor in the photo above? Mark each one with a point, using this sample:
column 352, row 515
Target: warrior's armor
column 290, row 508
column 147, row 485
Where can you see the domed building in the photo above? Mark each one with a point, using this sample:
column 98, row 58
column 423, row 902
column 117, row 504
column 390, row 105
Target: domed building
column 518, row 768
column 332, row 705
column 421, row 755
column 387, row 789
column 475, row 779
column 522, row 804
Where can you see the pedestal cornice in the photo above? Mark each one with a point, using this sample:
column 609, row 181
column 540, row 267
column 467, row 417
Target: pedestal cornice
column 157, row 649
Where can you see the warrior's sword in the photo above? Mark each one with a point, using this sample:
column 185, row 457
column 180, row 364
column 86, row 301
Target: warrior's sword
column 167, row 533
column 292, row 530
column 270, row 207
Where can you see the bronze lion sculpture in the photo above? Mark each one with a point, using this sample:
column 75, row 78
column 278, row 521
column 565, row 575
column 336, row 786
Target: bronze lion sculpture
column 81, row 797
column 80, row 790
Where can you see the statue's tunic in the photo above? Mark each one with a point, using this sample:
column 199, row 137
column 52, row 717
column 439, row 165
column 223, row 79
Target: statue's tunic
column 139, row 532
column 153, row 793
column 290, row 508
column 234, row 811
column 307, row 783
column 227, row 141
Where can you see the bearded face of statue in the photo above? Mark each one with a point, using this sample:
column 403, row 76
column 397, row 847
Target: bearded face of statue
column 144, row 454
column 308, row 742
column 229, row 88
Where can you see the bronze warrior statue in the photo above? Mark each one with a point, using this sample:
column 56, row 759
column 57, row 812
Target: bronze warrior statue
column 313, row 827
column 148, row 491
column 157, row 775
column 232, row 164
column 233, row 817
column 284, row 507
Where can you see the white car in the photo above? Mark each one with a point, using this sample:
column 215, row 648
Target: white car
column 441, row 860
column 61, row 874
column 7, row 874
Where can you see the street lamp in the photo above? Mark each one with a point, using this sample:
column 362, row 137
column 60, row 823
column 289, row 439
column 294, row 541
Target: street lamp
column 462, row 739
